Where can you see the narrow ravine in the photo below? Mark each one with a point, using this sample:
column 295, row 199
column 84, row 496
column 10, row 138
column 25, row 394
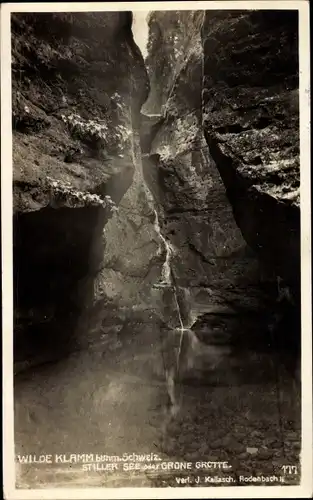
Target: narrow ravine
column 171, row 373
column 179, row 328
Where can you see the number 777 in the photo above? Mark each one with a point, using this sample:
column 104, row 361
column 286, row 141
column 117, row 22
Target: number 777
column 290, row 469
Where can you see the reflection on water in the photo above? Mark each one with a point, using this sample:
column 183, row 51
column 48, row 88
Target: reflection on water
column 115, row 401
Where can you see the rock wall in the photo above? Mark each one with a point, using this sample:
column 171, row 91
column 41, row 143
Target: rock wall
column 224, row 161
column 83, row 232
column 212, row 260
column 251, row 123
column 111, row 182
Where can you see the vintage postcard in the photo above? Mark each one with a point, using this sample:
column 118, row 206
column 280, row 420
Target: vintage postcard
column 156, row 250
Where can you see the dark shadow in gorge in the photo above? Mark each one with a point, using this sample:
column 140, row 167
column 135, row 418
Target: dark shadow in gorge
column 115, row 387
column 270, row 326
column 57, row 254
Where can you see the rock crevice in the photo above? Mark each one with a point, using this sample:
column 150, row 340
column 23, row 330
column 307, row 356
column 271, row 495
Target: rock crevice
column 251, row 124
column 79, row 82
column 224, row 157
column 212, row 151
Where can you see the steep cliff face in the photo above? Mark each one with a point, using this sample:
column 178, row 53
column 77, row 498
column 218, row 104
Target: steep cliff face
column 174, row 38
column 212, row 260
column 78, row 82
column 156, row 243
column 251, row 123
column 224, row 161
column 111, row 185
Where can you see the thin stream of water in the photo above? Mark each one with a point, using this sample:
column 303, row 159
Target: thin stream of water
column 167, row 281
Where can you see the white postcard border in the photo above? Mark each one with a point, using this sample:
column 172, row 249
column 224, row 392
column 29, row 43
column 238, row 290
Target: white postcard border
column 304, row 490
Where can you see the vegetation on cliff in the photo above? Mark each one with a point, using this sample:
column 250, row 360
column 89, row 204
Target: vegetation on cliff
column 78, row 83
column 63, row 67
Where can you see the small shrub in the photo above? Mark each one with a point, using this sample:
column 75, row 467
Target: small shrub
column 116, row 98
column 63, row 192
column 97, row 134
column 166, row 153
column 85, row 130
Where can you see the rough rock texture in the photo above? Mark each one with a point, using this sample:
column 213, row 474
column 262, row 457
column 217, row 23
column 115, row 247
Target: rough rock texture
column 178, row 34
column 212, row 261
column 132, row 260
column 150, row 125
column 58, row 72
column 251, row 123
column 182, row 239
column 224, row 165
column 97, row 175
column 78, row 82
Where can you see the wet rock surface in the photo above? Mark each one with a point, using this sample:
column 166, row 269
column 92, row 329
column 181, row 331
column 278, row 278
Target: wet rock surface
column 233, row 220
column 57, row 75
column 76, row 155
column 155, row 287
column 251, row 123
column 212, row 259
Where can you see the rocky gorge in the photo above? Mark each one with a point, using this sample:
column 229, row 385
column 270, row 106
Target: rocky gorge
column 225, row 159
column 157, row 237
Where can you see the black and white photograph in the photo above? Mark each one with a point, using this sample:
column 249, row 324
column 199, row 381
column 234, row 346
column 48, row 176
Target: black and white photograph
column 157, row 319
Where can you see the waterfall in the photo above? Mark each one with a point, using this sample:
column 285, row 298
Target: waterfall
column 166, row 268
column 167, row 281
